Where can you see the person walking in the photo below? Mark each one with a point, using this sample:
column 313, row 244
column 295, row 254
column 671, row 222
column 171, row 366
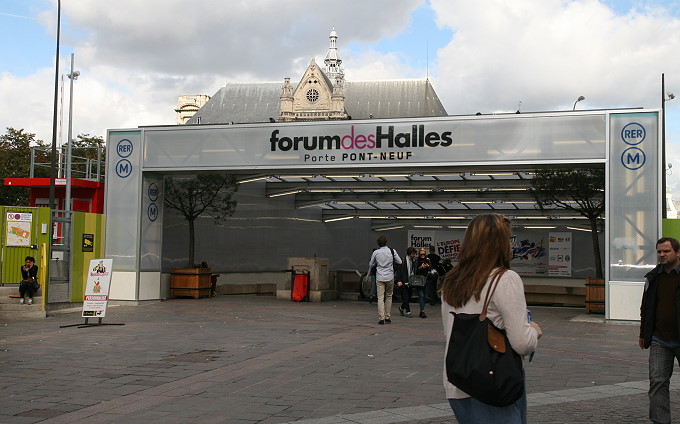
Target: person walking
column 433, row 277
column 385, row 259
column 405, row 290
column 373, row 294
column 485, row 254
column 659, row 324
column 423, row 268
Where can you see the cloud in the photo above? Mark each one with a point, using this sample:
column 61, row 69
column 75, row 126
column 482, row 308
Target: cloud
column 22, row 109
column 136, row 57
column 547, row 53
column 258, row 37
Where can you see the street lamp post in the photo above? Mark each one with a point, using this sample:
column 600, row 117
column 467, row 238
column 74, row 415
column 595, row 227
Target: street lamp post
column 72, row 76
column 53, row 162
column 580, row 98
column 664, row 98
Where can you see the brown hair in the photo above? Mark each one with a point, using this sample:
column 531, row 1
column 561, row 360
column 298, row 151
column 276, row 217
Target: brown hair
column 674, row 242
column 486, row 246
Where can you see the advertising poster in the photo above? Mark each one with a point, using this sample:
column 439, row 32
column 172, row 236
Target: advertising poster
column 529, row 256
column 96, row 296
column 446, row 243
column 560, row 254
column 19, row 229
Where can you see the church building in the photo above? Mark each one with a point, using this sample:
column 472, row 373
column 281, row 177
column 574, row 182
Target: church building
column 321, row 94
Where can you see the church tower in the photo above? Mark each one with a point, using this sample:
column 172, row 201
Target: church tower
column 320, row 94
column 333, row 62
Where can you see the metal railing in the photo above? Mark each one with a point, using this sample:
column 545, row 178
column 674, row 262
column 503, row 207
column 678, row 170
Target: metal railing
column 81, row 167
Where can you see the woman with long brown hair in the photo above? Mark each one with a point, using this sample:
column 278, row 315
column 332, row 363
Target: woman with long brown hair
column 485, row 254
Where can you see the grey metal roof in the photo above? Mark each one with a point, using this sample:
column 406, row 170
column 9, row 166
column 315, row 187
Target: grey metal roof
column 257, row 102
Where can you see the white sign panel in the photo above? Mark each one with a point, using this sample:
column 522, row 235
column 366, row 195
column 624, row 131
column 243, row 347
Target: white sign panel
column 559, row 261
column 372, row 143
column 96, row 296
column 19, row 228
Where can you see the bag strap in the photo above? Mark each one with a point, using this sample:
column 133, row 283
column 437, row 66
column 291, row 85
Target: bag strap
column 489, row 292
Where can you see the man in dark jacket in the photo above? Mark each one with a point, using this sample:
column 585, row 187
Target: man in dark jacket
column 659, row 323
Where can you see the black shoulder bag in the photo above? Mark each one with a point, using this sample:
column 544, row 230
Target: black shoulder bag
column 480, row 360
column 395, row 267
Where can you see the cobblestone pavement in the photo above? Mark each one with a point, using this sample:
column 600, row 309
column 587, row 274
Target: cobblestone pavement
column 242, row 359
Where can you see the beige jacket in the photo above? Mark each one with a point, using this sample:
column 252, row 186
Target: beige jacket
column 507, row 310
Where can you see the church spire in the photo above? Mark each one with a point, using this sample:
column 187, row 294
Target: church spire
column 333, row 62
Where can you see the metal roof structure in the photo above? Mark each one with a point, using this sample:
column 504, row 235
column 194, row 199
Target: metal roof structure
column 411, row 199
column 239, row 103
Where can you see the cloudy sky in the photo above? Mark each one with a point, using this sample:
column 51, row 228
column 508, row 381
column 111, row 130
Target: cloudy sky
column 136, row 57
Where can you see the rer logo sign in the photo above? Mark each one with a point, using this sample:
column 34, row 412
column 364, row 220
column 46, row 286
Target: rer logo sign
column 153, row 192
column 633, row 157
column 124, row 148
column 633, row 134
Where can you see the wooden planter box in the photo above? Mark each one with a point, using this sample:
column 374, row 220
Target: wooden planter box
column 190, row 282
column 594, row 295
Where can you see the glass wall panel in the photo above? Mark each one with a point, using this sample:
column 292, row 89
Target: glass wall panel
column 123, row 180
column 151, row 222
column 633, row 210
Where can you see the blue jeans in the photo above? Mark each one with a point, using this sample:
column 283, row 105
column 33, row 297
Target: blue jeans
column 421, row 298
column 661, row 359
column 471, row 411
column 374, row 287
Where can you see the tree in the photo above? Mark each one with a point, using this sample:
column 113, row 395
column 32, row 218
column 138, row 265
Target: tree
column 578, row 190
column 15, row 162
column 205, row 194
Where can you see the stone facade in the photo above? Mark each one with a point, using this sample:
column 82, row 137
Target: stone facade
column 188, row 105
column 314, row 99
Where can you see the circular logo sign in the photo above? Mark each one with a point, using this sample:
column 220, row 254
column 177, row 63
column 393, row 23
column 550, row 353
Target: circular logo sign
column 153, row 192
column 123, row 168
column 633, row 134
column 633, row 158
column 152, row 212
column 124, row 148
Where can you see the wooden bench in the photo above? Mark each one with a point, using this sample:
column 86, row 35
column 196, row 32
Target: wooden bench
column 554, row 295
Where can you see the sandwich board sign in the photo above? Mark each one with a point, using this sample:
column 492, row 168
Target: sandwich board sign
column 96, row 296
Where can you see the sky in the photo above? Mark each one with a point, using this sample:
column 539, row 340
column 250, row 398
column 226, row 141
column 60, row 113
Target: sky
column 489, row 56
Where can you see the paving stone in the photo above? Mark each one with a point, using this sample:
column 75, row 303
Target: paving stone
column 250, row 359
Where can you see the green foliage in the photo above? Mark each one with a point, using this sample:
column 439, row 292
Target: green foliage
column 579, row 190
column 15, row 162
column 206, row 194
column 84, row 155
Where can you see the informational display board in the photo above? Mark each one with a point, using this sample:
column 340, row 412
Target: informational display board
column 559, row 260
column 528, row 249
column 96, row 296
column 19, row 229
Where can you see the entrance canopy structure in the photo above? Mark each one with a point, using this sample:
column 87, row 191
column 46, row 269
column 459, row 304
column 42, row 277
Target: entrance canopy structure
column 397, row 173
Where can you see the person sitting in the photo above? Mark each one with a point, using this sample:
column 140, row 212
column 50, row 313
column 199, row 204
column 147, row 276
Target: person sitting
column 29, row 283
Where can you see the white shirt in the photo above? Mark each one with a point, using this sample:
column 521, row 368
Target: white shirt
column 383, row 258
column 507, row 310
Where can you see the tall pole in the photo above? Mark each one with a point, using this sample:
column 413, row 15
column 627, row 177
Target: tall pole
column 72, row 76
column 663, row 148
column 53, row 163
